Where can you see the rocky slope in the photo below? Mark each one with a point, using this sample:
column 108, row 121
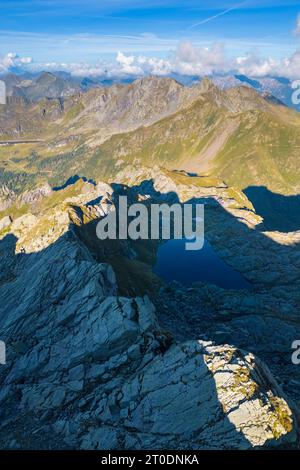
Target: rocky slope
column 33, row 87
column 236, row 134
column 89, row 368
column 279, row 88
column 40, row 86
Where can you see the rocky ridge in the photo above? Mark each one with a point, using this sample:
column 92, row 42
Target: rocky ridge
column 89, row 368
column 236, row 134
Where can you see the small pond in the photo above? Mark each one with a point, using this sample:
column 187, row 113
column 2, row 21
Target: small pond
column 175, row 263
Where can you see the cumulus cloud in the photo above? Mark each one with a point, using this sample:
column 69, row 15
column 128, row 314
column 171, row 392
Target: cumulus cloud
column 251, row 64
column 12, row 61
column 186, row 59
column 189, row 59
column 154, row 65
column 192, row 60
column 291, row 65
column 128, row 64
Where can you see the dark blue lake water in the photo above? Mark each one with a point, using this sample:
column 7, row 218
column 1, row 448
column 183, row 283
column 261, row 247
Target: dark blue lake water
column 175, row 263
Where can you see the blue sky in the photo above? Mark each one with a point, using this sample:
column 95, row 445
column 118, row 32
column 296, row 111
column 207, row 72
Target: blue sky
column 90, row 31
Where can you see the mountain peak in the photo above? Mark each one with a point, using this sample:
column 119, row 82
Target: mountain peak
column 206, row 85
column 154, row 81
column 46, row 76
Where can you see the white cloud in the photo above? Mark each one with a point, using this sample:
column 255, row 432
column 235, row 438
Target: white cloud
column 127, row 64
column 12, row 61
column 252, row 65
column 133, row 55
column 192, row 60
column 154, row 65
column 291, row 66
column 186, row 59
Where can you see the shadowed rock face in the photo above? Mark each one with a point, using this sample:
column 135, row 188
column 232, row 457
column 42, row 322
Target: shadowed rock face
column 280, row 213
column 89, row 368
column 95, row 370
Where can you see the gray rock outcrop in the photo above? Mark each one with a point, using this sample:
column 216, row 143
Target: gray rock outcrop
column 88, row 368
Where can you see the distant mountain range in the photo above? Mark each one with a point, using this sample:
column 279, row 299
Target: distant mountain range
column 34, row 87
column 244, row 137
column 279, row 87
column 44, row 85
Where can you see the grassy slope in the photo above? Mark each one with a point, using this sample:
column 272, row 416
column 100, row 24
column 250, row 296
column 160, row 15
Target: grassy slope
column 262, row 149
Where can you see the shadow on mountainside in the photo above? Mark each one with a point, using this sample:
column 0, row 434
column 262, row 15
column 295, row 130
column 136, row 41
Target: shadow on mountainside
column 72, row 180
column 263, row 319
column 264, row 262
column 280, row 213
column 64, row 384
column 50, row 312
